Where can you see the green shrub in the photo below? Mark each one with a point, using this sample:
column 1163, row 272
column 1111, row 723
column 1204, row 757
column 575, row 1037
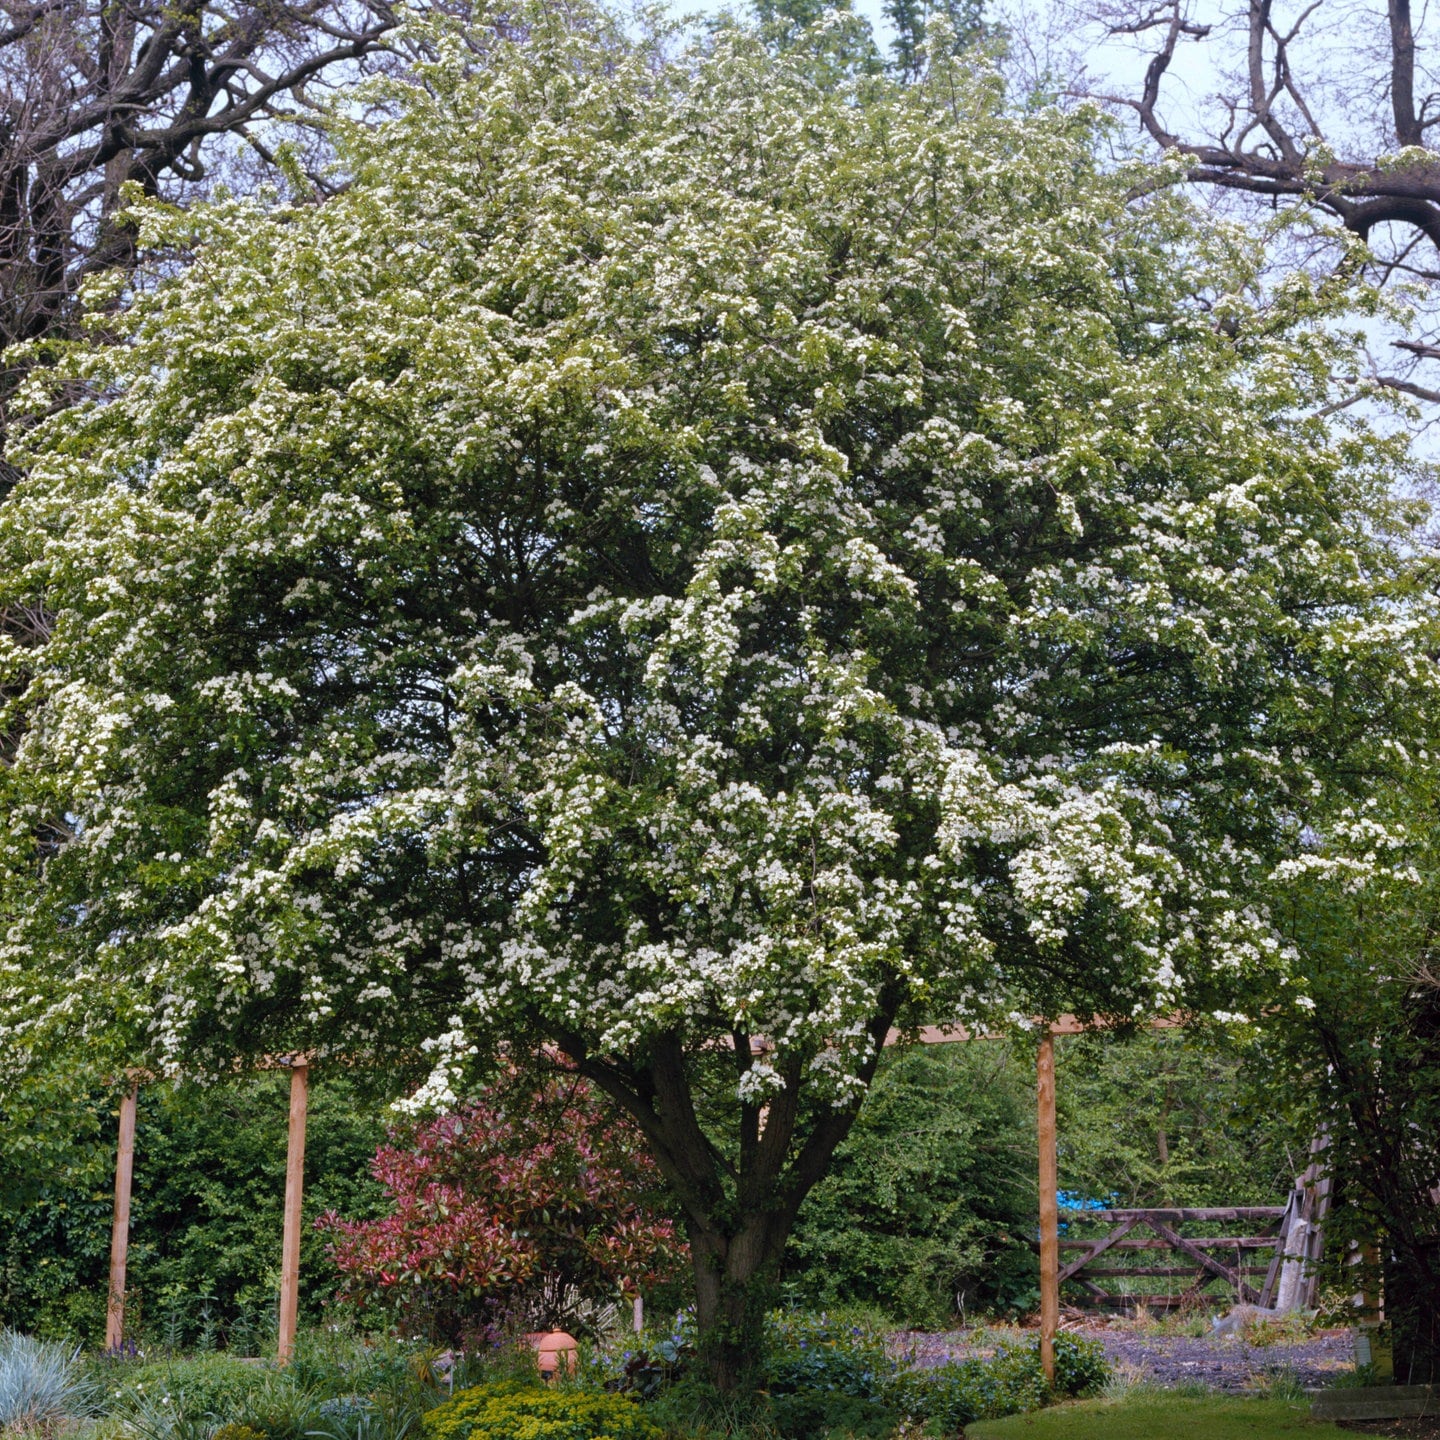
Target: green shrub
column 811, row 1414
column 1011, row 1382
column 384, row 1416
column 693, row 1409
column 509, row 1408
column 1080, row 1366
column 237, row 1432
column 213, row 1385
column 930, row 1201
column 812, row 1354
column 336, row 1364
column 960, row 1391
column 279, row 1407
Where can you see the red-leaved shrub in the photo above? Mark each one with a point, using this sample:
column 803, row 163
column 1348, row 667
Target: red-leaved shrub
column 532, row 1192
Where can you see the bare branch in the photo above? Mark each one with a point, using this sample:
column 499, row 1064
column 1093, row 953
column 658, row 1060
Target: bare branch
column 1408, row 387
column 1292, row 124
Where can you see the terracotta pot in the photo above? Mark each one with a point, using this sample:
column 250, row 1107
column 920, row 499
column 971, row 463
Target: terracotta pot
column 554, row 1348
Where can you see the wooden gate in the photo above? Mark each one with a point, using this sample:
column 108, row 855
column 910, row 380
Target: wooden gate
column 1235, row 1258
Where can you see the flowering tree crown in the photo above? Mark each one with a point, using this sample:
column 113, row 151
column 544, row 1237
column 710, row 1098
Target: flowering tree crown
column 675, row 553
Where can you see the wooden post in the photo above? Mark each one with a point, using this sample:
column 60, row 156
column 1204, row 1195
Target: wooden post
column 1049, row 1209
column 1371, row 1312
column 120, row 1224
column 294, row 1198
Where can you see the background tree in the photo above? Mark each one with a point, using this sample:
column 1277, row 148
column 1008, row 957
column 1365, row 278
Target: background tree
column 696, row 569
column 1172, row 1118
column 1362, row 1038
column 100, row 94
column 1330, row 107
column 965, row 26
column 929, row 1206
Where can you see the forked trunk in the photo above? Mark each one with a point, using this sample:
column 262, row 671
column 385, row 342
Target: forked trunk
column 737, row 1215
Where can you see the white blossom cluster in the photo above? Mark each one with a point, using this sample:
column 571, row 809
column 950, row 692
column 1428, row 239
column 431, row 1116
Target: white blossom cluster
column 675, row 548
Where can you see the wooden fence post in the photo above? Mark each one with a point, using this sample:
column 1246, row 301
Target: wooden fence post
column 294, row 1199
column 1049, row 1208
column 120, row 1224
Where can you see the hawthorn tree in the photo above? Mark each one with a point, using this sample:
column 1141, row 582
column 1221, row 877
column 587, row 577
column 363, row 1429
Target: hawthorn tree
column 696, row 568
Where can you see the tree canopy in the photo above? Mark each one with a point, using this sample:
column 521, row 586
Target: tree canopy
column 695, row 567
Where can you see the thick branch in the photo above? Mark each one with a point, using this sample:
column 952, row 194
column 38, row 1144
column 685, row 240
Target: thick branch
column 1402, row 74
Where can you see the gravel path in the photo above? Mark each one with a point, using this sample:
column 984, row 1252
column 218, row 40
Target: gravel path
column 1229, row 1364
column 1221, row 1364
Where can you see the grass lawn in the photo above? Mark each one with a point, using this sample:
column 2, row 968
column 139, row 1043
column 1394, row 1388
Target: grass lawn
column 1159, row 1417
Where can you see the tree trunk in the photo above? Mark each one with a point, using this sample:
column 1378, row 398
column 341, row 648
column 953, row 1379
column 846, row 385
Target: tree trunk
column 734, row 1287
column 1412, row 1306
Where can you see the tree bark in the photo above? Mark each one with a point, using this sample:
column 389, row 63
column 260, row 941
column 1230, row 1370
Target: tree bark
column 1269, row 137
column 734, row 1286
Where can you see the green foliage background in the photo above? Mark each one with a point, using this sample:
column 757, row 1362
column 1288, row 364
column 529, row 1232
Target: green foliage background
column 933, row 1193
column 931, row 1200
column 206, row 1214
column 931, row 1203
column 1176, row 1117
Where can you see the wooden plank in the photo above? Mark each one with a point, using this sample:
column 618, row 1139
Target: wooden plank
column 1144, row 1272
column 1150, row 1302
column 1061, row 1025
column 1315, row 1240
column 1206, row 1242
column 1206, row 1262
column 1049, row 1210
column 294, row 1201
column 1095, row 1251
column 1282, row 1235
column 1185, row 1217
column 120, row 1220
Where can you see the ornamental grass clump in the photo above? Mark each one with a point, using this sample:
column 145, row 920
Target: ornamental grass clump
column 40, row 1383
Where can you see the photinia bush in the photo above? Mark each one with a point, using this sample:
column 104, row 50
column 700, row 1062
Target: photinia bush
column 530, row 1194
